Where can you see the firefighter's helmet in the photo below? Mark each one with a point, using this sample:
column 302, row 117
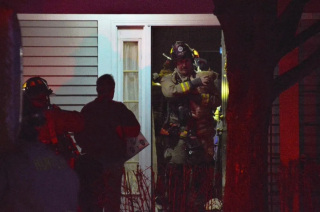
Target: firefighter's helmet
column 36, row 86
column 181, row 50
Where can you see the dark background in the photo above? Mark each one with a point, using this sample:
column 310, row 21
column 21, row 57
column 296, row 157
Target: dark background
column 122, row 6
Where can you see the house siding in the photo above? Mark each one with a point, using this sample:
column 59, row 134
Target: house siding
column 65, row 53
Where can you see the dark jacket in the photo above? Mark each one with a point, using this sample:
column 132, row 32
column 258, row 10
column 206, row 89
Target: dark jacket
column 100, row 137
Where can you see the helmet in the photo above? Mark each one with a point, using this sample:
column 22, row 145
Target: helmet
column 36, row 86
column 181, row 50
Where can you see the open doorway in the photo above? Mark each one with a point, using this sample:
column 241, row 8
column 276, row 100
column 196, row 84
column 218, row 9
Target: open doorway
column 206, row 40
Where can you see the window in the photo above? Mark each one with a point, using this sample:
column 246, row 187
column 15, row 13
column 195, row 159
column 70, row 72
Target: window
column 131, row 76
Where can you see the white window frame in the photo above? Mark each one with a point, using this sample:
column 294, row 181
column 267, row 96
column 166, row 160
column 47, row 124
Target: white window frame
column 135, row 37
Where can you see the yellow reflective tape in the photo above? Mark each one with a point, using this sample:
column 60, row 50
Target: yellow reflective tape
column 187, row 85
column 208, row 98
column 205, row 99
column 202, row 98
column 183, row 134
column 183, row 88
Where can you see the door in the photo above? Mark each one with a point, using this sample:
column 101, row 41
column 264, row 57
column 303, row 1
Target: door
column 206, row 40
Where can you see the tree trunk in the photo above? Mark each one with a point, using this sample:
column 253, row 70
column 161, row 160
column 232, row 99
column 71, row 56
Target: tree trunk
column 248, row 121
column 250, row 71
column 256, row 38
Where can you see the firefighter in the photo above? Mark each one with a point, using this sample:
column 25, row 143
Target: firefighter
column 189, row 125
column 59, row 122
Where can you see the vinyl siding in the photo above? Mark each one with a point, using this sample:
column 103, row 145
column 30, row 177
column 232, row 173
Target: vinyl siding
column 65, row 53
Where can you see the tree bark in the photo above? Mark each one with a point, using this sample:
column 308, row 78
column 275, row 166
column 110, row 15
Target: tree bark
column 248, row 121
